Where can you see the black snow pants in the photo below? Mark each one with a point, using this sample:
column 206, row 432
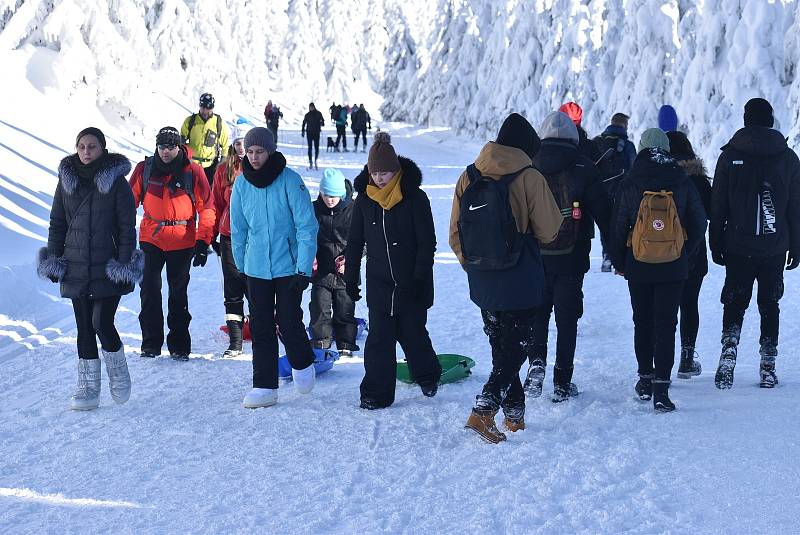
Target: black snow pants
column 510, row 334
column 234, row 284
column 740, row 274
column 313, row 141
column 341, row 134
column 270, row 298
column 95, row 320
column 326, row 294
column 362, row 132
column 151, row 316
column 380, row 354
column 655, row 318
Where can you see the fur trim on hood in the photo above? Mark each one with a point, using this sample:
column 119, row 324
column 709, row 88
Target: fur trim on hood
column 114, row 166
column 694, row 167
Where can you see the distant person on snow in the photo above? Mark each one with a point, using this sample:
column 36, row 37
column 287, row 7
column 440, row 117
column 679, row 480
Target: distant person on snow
column 617, row 153
column 206, row 135
column 657, row 225
column 341, row 128
column 667, row 118
column 234, row 285
column 755, row 221
column 361, row 122
column 682, row 151
column 311, row 129
column 575, row 183
column 274, row 240
column 175, row 232
column 334, row 210
column 496, row 244
column 392, row 217
column 585, row 145
column 273, row 116
column 91, row 251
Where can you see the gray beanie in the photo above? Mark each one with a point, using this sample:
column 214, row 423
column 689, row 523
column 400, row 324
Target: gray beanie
column 262, row 137
column 558, row 125
column 654, row 138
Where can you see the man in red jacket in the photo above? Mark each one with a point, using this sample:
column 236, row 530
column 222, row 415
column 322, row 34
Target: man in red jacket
column 177, row 228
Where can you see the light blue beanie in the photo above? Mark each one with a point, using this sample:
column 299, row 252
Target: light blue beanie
column 332, row 183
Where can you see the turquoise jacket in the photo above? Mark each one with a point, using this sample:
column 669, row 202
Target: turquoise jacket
column 273, row 229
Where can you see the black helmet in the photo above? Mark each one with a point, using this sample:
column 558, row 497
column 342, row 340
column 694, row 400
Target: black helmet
column 207, row 101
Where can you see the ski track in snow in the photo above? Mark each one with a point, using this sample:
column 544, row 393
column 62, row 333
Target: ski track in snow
column 183, row 455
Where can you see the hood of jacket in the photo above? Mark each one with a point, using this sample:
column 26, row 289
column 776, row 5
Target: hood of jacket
column 261, row 178
column 693, row 167
column 614, row 130
column 656, row 169
column 555, row 155
column 113, row 166
column 496, row 160
column 412, row 177
column 757, row 141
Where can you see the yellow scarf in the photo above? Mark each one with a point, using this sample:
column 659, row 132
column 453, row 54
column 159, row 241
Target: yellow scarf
column 389, row 195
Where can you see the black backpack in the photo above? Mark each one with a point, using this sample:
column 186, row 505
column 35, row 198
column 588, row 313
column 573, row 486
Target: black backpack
column 487, row 229
column 564, row 190
column 187, row 184
column 612, row 162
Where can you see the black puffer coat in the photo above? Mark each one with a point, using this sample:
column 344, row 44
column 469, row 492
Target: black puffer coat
column 400, row 244
column 334, row 227
column 91, row 246
column 755, row 206
column 698, row 262
column 655, row 170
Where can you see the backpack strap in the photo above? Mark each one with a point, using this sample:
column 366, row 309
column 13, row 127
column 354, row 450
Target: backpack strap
column 219, row 133
column 192, row 120
column 474, row 175
column 148, row 170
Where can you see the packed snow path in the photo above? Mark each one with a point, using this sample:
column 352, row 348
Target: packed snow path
column 184, row 456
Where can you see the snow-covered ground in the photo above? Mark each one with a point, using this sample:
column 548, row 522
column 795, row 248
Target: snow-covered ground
column 183, row 455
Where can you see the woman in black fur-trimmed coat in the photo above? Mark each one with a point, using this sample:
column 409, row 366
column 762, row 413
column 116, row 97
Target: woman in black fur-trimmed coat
column 91, row 251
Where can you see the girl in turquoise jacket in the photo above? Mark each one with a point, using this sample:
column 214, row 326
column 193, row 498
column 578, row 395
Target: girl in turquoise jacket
column 274, row 241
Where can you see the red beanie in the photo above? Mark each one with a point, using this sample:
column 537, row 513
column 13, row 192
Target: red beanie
column 573, row 111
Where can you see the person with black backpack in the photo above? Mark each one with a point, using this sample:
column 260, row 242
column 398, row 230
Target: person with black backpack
column 575, row 183
column 207, row 136
column 311, row 129
column 657, row 223
column 755, row 221
column 501, row 207
column 617, row 153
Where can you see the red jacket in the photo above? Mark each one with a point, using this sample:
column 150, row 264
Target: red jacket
column 221, row 194
column 162, row 205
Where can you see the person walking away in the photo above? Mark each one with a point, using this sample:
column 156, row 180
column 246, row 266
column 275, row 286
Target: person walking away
column 682, row 151
column 657, row 224
column 234, row 286
column 206, row 135
column 585, row 145
column 175, row 232
column 311, row 129
column 755, row 221
column 575, row 183
column 91, row 251
column 273, row 119
column 274, row 240
column 341, row 128
column 334, row 210
column 501, row 206
column 392, row 217
column 361, row 123
column 617, row 153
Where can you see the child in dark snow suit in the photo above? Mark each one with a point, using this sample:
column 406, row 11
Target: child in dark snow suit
column 334, row 210
column 392, row 217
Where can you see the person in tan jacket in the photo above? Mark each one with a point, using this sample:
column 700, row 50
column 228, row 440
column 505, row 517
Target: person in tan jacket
column 501, row 207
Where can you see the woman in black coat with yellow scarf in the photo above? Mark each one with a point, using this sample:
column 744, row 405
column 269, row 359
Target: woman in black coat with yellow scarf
column 91, row 251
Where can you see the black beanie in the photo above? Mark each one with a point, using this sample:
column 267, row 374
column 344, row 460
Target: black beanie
column 758, row 112
column 517, row 132
column 92, row 131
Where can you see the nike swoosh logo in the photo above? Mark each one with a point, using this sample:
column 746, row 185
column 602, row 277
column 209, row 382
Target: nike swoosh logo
column 476, row 207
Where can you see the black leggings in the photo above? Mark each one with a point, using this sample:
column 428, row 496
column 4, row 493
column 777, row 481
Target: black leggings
column 313, row 139
column 95, row 319
column 690, row 315
column 360, row 132
column 234, row 287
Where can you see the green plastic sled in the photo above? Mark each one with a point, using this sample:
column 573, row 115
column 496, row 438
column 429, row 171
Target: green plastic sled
column 454, row 368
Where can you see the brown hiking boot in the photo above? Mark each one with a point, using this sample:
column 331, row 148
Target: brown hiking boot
column 514, row 425
column 482, row 422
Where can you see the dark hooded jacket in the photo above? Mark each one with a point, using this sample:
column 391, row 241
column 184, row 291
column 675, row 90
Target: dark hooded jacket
column 91, row 245
column 334, row 227
column 655, row 170
column 755, row 208
column 400, row 245
column 698, row 262
column 587, row 147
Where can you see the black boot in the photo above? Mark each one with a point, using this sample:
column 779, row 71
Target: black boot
column 534, row 379
column 688, row 367
column 767, row 368
column 727, row 362
column 644, row 387
column 235, row 336
column 661, row 401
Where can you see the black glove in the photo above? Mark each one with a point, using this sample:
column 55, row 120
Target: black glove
column 53, row 278
column 792, row 260
column 299, row 282
column 302, row 134
column 200, row 253
column 718, row 258
column 215, row 245
column 353, row 292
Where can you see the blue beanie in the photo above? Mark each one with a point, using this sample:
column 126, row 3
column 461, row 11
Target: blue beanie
column 667, row 118
column 332, row 183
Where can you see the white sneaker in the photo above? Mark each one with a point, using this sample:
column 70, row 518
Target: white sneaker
column 260, row 397
column 304, row 379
